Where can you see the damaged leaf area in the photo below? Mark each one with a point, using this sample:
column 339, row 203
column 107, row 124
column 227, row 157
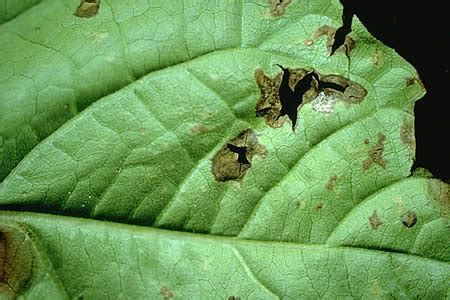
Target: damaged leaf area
column 292, row 88
column 17, row 258
column 375, row 153
column 87, row 8
column 211, row 150
column 233, row 160
column 333, row 45
column 278, row 7
column 24, row 271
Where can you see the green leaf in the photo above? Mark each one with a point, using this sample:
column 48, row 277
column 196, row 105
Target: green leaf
column 96, row 259
column 10, row 9
column 127, row 115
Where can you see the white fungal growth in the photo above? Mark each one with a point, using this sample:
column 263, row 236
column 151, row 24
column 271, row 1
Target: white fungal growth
column 324, row 103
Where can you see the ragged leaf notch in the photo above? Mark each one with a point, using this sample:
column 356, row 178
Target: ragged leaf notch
column 289, row 90
column 233, row 160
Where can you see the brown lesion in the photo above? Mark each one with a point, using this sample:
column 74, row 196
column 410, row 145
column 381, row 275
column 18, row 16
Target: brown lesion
column 409, row 81
column 330, row 183
column 278, row 7
column 17, row 260
column 233, row 160
column 375, row 154
column 374, row 220
column 439, row 193
column 269, row 104
column 87, row 8
column 409, row 219
column 407, row 135
column 166, row 293
column 330, row 32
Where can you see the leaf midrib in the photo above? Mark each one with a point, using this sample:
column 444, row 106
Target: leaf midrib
column 103, row 226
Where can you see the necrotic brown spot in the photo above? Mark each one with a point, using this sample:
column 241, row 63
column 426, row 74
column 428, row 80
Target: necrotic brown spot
column 17, row 259
column 318, row 206
column 374, row 221
column 330, row 32
column 330, row 183
column 409, row 219
column 375, row 154
column 407, row 135
column 233, row 160
column 166, row 293
column 278, row 7
column 87, row 8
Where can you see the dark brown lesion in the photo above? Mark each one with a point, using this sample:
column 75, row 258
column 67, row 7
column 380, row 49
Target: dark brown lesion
column 409, row 219
column 278, row 7
column 375, row 154
column 17, row 260
column 269, row 104
column 330, row 32
column 87, row 8
column 278, row 98
column 233, row 160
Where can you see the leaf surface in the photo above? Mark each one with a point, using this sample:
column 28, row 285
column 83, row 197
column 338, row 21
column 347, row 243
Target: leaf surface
column 119, row 117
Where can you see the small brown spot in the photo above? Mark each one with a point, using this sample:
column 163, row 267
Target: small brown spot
column 87, row 8
column 233, row 160
column 166, row 293
column 407, row 135
column 375, row 154
column 278, row 7
column 374, row 221
column 413, row 80
column 409, row 219
column 318, row 206
column 366, row 141
column 331, row 181
column 299, row 204
column 234, row 298
column 199, row 129
column 410, row 81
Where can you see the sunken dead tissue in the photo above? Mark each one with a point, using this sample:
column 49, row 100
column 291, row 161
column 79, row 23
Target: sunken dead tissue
column 289, row 90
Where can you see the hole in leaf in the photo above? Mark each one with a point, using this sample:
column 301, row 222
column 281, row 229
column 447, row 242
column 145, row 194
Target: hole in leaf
column 409, row 219
column 285, row 94
column 233, row 160
column 278, row 7
column 87, row 8
column 342, row 32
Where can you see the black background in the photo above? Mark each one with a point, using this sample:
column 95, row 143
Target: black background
column 417, row 31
